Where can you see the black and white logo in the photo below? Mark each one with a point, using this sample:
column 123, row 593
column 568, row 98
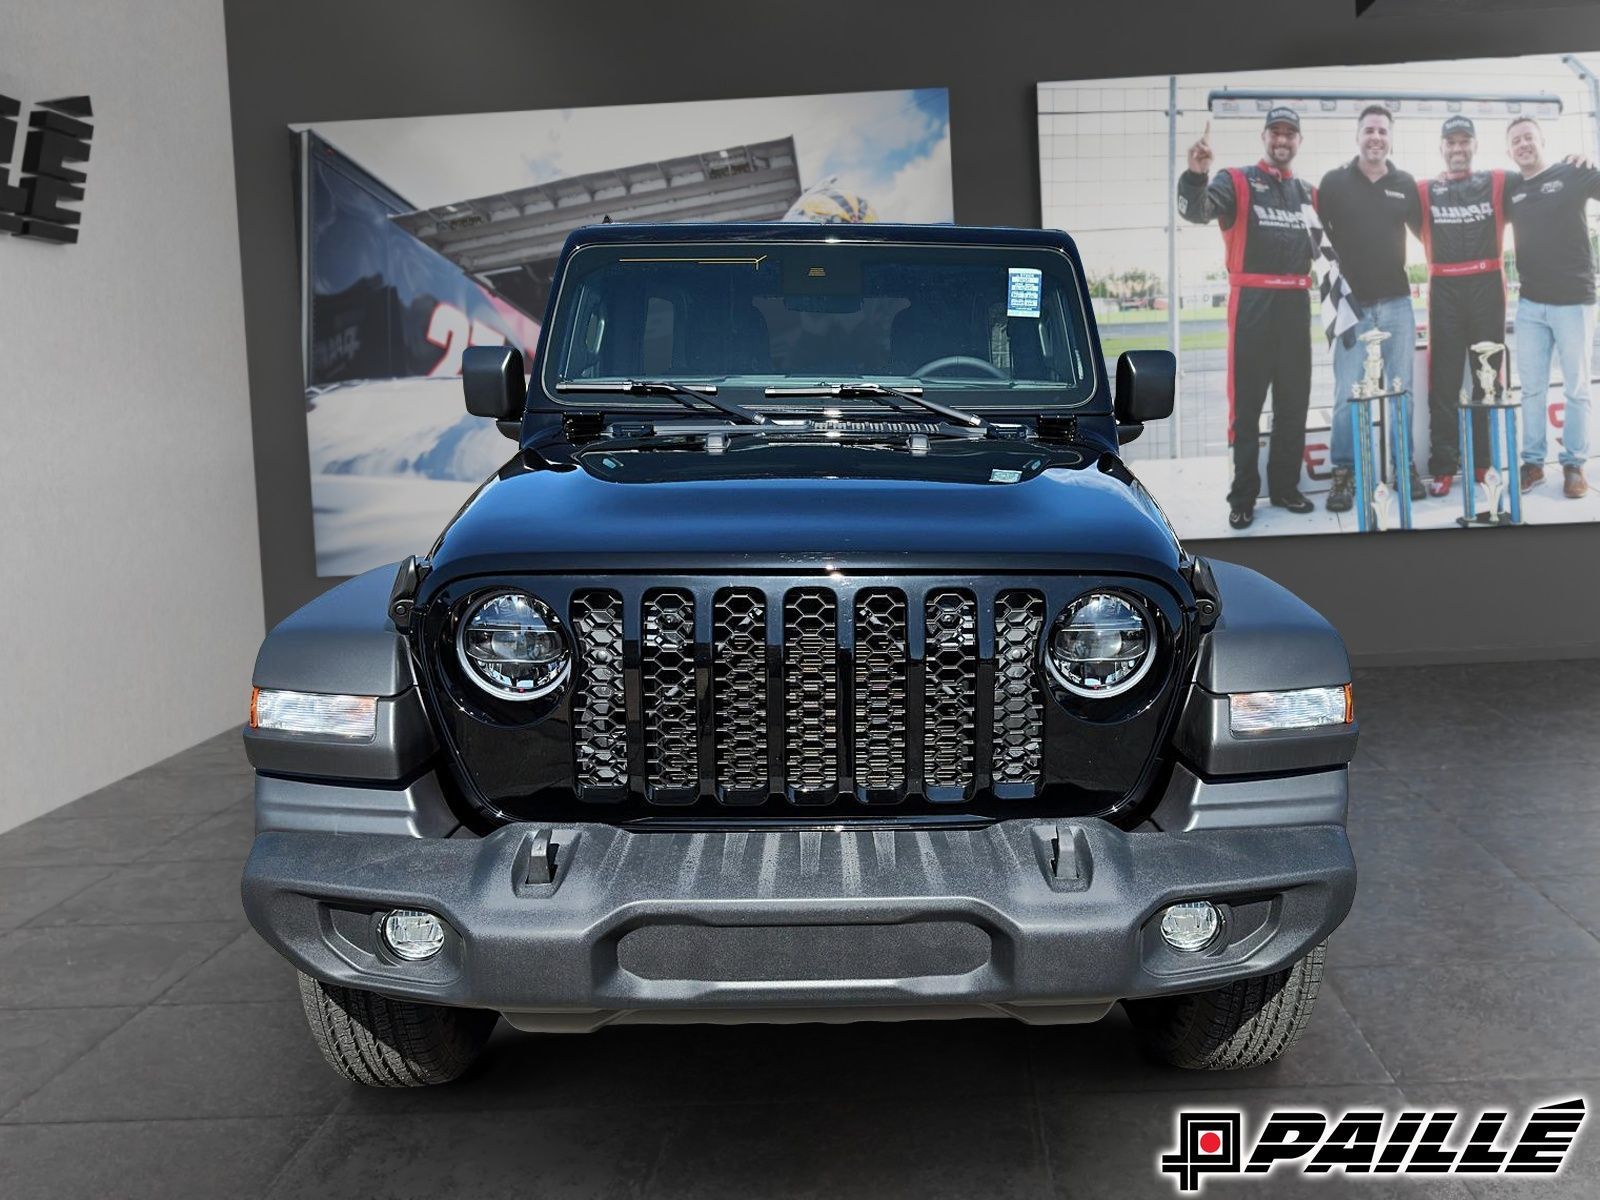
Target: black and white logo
column 1461, row 214
column 1207, row 1141
column 1551, row 186
column 1374, row 1142
column 1269, row 216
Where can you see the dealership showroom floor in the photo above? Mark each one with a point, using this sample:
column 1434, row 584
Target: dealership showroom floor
column 152, row 1046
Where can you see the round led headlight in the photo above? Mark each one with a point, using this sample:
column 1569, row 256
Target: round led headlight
column 1102, row 645
column 511, row 646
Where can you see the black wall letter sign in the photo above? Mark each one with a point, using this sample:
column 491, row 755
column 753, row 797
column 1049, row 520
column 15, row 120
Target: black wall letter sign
column 13, row 200
column 56, row 138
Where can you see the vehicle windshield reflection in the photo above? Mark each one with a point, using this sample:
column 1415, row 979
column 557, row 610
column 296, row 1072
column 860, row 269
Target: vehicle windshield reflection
column 974, row 326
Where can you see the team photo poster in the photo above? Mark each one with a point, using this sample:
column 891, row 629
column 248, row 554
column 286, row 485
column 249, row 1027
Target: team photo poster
column 421, row 236
column 1356, row 267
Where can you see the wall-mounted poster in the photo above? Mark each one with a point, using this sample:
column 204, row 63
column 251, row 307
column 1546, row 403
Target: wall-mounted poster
column 422, row 236
column 1358, row 268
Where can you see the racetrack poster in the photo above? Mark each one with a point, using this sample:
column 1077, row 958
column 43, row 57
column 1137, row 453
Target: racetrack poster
column 421, row 236
column 1333, row 254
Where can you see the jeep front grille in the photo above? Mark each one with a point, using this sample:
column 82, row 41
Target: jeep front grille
column 882, row 663
column 599, row 712
column 948, row 733
column 811, row 692
column 670, row 741
column 739, row 692
column 1018, row 696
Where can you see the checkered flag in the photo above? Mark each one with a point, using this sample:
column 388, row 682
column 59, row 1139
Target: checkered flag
column 1340, row 312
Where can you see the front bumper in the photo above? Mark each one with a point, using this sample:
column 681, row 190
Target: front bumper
column 1042, row 921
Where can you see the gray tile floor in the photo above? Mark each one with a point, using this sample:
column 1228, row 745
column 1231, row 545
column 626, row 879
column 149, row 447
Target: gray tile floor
column 151, row 1045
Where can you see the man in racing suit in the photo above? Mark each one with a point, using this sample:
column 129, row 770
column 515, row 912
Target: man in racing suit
column 1463, row 232
column 1260, row 210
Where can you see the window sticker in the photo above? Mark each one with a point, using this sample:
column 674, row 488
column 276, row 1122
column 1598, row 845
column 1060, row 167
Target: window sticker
column 1022, row 292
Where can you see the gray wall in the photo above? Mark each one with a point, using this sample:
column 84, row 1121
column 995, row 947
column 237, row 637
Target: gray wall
column 132, row 570
column 1427, row 597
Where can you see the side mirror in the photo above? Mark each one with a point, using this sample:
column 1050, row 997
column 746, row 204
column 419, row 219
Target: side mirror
column 495, row 386
column 1146, row 384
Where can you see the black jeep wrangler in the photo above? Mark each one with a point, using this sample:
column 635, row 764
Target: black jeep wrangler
column 815, row 658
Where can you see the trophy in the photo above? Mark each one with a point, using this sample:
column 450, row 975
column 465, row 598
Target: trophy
column 1488, row 373
column 1493, row 488
column 1379, row 506
column 1383, row 506
column 1371, row 382
column 1500, row 487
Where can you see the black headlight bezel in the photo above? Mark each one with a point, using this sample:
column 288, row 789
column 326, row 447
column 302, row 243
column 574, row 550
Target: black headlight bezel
column 476, row 695
column 1135, row 695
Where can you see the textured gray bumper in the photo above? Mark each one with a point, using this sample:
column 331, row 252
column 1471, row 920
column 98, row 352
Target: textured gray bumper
column 1039, row 921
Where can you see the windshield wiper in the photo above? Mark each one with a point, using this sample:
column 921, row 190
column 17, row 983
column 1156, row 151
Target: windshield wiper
column 869, row 389
column 684, row 393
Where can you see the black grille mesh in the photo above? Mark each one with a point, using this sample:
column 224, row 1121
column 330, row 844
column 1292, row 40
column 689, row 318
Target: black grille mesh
column 599, row 713
column 667, row 676
column 950, row 685
column 755, row 717
column 1018, row 697
column 739, row 688
column 879, row 687
column 811, row 690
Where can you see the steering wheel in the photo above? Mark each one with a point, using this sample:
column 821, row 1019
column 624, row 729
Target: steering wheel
column 960, row 360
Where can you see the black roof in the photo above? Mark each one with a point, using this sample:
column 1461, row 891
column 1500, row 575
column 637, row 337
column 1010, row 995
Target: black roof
column 794, row 231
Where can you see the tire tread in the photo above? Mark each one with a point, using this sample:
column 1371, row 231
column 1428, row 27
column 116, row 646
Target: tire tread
column 383, row 1042
column 1247, row 1023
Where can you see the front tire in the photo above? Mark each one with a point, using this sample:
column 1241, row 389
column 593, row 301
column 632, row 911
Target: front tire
column 381, row 1042
column 1247, row 1023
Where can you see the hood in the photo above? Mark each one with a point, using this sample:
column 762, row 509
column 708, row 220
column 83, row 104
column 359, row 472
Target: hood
column 966, row 504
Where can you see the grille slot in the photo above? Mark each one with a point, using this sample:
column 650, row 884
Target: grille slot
column 950, row 689
column 1018, row 697
column 739, row 689
column 811, row 693
column 880, row 690
column 599, row 710
column 667, row 680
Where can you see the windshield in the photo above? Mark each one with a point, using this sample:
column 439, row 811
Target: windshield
column 983, row 327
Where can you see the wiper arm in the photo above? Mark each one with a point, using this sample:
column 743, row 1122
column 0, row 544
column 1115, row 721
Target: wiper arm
column 684, row 393
column 867, row 388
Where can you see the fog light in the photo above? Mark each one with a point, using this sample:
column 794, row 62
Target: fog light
column 413, row 935
column 1191, row 926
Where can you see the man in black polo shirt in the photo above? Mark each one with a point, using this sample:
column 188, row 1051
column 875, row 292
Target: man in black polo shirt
column 1366, row 207
column 1555, row 315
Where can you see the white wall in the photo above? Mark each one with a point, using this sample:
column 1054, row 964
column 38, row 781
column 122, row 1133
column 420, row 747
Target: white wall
column 130, row 579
